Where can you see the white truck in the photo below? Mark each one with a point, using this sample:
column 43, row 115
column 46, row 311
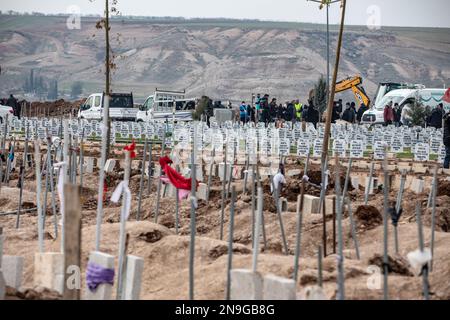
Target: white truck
column 120, row 107
column 426, row 96
column 166, row 104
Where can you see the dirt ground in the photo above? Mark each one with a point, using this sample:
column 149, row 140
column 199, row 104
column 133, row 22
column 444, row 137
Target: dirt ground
column 166, row 253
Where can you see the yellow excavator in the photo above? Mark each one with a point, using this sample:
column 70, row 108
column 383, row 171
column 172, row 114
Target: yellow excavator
column 354, row 83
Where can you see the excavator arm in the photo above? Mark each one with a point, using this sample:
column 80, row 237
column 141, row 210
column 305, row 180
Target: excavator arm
column 353, row 83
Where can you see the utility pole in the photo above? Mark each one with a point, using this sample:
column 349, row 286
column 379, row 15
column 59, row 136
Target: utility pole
column 333, row 87
column 327, row 3
column 105, row 134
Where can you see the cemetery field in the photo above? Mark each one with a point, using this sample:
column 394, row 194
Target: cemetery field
column 164, row 244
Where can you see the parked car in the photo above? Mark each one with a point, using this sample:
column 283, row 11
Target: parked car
column 121, row 107
column 166, row 104
column 427, row 97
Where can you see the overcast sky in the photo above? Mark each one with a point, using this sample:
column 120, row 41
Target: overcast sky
column 426, row 13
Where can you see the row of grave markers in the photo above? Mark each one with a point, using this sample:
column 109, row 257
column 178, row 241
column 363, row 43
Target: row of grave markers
column 349, row 141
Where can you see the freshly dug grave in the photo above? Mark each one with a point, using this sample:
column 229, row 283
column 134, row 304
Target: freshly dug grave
column 367, row 217
column 443, row 188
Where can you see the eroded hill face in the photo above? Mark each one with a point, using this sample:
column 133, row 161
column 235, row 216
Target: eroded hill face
column 223, row 60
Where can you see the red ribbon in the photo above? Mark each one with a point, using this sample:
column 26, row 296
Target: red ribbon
column 131, row 148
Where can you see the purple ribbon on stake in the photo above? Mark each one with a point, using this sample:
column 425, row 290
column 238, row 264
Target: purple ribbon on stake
column 97, row 275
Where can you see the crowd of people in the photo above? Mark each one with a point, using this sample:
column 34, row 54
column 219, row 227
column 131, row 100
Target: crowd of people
column 401, row 116
column 267, row 112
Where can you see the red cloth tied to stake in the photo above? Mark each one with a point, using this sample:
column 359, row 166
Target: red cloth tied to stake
column 174, row 177
column 131, row 148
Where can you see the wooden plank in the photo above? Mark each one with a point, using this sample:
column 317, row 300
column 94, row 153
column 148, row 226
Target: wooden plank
column 72, row 240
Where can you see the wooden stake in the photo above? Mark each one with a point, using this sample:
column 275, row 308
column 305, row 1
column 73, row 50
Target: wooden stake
column 300, row 200
column 159, row 178
column 122, row 234
column 257, row 230
column 37, row 159
column 230, row 243
column 22, row 176
column 193, row 219
column 72, row 240
column 425, row 283
column 433, row 215
column 149, row 182
column 340, row 264
column 141, row 183
column 224, row 181
column 333, row 90
column 385, row 228
column 352, row 223
column 210, row 174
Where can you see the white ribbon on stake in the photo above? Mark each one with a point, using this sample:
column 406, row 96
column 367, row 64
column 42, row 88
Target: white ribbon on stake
column 123, row 188
column 60, row 186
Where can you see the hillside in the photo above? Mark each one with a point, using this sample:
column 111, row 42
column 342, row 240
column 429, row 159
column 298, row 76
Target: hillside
column 223, row 59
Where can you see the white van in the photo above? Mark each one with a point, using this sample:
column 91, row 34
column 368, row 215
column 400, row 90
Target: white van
column 165, row 104
column 427, row 97
column 120, row 107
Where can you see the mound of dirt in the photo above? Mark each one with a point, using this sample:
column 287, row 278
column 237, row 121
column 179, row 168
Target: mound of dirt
column 368, row 217
column 38, row 293
column 443, row 188
column 442, row 219
column 397, row 265
column 53, row 108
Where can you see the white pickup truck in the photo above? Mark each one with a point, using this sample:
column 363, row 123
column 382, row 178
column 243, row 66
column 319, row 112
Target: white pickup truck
column 120, row 107
column 165, row 104
column 4, row 110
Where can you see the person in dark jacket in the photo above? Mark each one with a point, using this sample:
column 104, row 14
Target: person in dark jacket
column 243, row 112
column 446, row 138
column 361, row 110
column 264, row 104
column 273, row 110
column 290, row 112
column 436, row 117
column 336, row 114
column 397, row 115
column 280, row 112
column 251, row 113
column 12, row 102
column 339, row 106
column 313, row 114
column 349, row 114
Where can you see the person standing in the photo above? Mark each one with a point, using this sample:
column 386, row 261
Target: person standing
column 446, row 138
column 436, row 116
column 405, row 118
column 397, row 115
column 273, row 108
column 290, row 112
column 264, row 105
column 313, row 114
column 298, row 110
column 12, row 102
column 349, row 114
column 361, row 110
column 258, row 107
column 336, row 113
column 243, row 112
column 388, row 114
column 251, row 113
